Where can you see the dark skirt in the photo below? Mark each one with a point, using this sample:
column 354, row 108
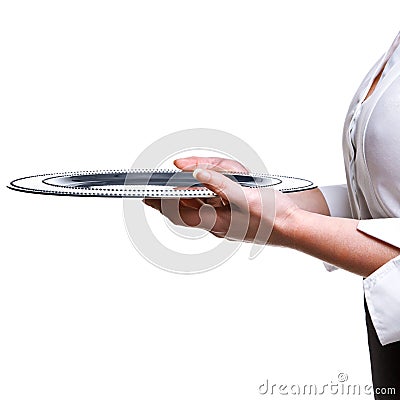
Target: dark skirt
column 385, row 363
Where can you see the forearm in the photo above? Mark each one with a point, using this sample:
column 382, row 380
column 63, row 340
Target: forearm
column 310, row 200
column 336, row 241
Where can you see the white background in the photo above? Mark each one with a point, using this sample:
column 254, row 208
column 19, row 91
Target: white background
column 90, row 84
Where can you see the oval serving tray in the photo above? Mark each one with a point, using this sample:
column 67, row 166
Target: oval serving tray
column 144, row 183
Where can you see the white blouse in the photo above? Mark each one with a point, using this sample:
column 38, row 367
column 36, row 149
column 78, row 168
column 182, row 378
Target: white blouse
column 371, row 148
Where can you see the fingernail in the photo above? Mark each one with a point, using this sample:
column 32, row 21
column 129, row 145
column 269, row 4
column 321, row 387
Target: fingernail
column 201, row 175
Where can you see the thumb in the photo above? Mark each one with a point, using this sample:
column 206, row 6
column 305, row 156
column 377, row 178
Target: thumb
column 222, row 186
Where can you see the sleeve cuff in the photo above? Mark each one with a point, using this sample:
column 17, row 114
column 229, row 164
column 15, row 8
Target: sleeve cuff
column 385, row 229
column 337, row 199
column 383, row 300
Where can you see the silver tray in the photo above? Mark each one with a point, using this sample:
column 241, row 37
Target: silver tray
column 145, row 183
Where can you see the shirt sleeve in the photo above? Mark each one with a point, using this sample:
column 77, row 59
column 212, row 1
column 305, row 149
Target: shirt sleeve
column 382, row 288
column 337, row 199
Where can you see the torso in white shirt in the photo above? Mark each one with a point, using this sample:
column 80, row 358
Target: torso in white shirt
column 371, row 141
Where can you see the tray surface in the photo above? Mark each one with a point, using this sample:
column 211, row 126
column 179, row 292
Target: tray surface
column 145, row 183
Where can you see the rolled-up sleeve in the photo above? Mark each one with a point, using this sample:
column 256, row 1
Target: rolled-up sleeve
column 337, row 199
column 382, row 288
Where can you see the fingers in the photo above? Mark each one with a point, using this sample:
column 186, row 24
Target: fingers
column 222, row 186
column 204, row 217
column 153, row 203
column 176, row 211
column 213, row 163
column 194, row 204
column 216, row 202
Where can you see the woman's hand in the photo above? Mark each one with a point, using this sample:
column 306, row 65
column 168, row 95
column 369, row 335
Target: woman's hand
column 254, row 215
column 268, row 216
